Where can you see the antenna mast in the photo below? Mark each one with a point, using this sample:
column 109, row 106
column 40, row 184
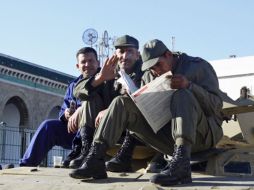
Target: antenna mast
column 173, row 43
column 103, row 45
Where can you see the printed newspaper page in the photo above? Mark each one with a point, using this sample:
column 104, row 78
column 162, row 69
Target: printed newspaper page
column 153, row 100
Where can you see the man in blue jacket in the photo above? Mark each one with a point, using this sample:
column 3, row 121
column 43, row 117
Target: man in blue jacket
column 54, row 132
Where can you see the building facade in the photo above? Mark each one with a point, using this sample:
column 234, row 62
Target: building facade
column 29, row 94
column 234, row 73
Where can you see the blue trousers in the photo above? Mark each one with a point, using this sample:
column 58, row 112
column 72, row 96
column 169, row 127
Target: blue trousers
column 52, row 132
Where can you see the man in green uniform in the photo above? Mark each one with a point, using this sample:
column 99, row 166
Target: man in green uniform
column 98, row 91
column 196, row 116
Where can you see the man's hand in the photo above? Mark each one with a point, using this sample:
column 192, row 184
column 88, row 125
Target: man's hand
column 108, row 69
column 107, row 72
column 179, row 81
column 69, row 111
column 67, row 114
column 73, row 122
column 99, row 117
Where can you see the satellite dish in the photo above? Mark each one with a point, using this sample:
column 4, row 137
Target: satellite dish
column 90, row 36
column 105, row 38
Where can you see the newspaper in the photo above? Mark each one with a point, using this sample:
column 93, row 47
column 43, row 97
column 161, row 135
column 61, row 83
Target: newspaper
column 153, row 99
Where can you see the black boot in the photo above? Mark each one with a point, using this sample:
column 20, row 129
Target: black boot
column 94, row 164
column 86, row 139
column 74, row 153
column 178, row 170
column 122, row 161
column 157, row 163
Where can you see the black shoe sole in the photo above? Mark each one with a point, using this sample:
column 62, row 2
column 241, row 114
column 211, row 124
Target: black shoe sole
column 74, row 166
column 111, row 167
column 176, row 182
column 102, row 176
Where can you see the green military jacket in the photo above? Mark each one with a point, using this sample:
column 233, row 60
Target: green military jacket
column 108, row 90
column 205, row 88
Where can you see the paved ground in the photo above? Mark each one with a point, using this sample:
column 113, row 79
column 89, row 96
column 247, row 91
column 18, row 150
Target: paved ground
column 58, row 178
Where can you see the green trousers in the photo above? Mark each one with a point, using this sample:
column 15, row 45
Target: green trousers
column 89, row 111
column 188, row 122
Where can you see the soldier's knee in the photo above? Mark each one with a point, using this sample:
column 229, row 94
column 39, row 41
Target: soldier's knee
column 181, row 94
column 121, row 100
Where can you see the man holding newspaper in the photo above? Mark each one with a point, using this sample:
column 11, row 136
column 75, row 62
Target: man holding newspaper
column 194, row 114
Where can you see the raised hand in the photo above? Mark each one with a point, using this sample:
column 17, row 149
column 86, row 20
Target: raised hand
column 108, row 71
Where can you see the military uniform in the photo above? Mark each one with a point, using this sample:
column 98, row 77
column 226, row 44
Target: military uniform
column 101, row 95
column 196, row 116
column 96, row 99
column 196, row 112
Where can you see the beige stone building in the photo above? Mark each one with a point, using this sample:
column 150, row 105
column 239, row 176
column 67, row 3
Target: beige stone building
column 29, row 94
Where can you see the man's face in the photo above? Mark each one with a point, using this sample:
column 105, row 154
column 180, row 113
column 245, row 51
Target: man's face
column 87, row 64
column 127, row 57
column 163, row 65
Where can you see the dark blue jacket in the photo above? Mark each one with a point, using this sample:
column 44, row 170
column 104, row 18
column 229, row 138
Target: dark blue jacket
column 68, row 97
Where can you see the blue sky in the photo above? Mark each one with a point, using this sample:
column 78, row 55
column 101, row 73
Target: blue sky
column 49, row 32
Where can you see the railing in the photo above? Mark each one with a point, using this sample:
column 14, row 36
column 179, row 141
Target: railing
column 14, row 142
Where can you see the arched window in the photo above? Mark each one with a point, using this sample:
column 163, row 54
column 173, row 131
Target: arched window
column 15, row 112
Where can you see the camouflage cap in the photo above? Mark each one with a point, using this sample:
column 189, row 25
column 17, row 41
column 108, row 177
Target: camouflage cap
column 152, row 50
column 126, row 41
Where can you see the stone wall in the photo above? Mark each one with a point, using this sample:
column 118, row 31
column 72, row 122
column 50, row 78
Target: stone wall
column 34, row 105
